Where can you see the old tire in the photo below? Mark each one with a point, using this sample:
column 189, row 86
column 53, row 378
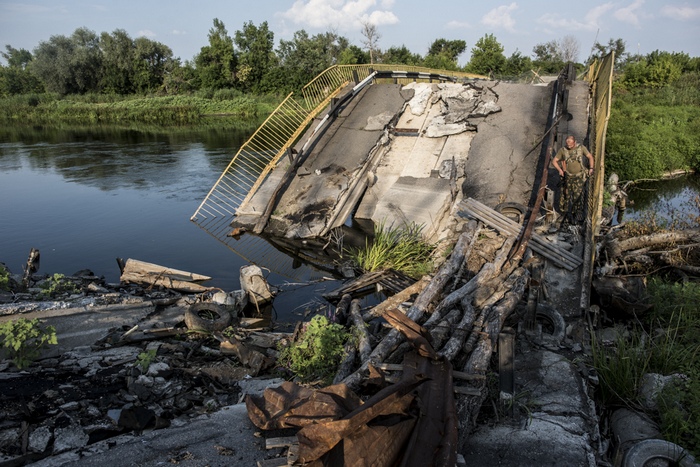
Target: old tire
column 553, row 321
column 208, row 317
column 513, row 211
column 657, row 452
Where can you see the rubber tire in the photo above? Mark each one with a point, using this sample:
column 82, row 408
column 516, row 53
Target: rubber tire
column 511, row 210
column 643, row 452
column 196, row 322
column 553, row 317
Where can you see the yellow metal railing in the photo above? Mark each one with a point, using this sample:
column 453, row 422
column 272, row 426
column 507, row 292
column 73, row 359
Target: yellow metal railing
column 600, row 75
column 260, row 154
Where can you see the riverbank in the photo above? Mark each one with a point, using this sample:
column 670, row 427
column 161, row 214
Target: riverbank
column 202, row 108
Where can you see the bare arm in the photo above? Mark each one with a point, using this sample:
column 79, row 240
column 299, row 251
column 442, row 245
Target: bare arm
column 555, row 163
column 590, row 162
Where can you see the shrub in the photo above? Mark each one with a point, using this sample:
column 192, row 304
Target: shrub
column 24, row 339
column 318, row 352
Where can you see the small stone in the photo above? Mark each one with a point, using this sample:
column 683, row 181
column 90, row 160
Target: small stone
column 156, row 368
column 39, row 439
column 70, row 437
column 9, row 437
column 70, row 406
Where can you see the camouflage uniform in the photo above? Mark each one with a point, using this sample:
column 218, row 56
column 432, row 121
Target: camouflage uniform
column 571, row 201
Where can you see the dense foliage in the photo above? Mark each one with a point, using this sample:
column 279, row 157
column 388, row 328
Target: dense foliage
column 655, row 118
column 316, row 354
column 114, row 63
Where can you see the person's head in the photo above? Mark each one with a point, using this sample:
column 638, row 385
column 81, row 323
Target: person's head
column 570, row 142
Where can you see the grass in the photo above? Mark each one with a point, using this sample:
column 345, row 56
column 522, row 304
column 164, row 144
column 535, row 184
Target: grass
column 665, row 341
column 92, row 109
column 402, row 249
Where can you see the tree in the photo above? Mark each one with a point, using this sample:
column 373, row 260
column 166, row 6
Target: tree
column 15, row 78
column 216, row 62
column 614, row 45
column 450, row 49
column 304, row 57
column 371, row 39
column 118, row 62
column 548, row 57
column 517, row 64
column 487, row 57
column 655, row 70
column 569, row 49
column 353, row 55
column 255, row 54
column 69, row 65
column 152, row 60
column 443, row 54
column 401, row 55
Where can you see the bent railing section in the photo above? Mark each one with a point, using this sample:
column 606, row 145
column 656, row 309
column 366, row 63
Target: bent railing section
column 600, row 75
column 260, row 154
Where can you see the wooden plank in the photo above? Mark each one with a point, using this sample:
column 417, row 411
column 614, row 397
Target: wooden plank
column 540, row 245
column 163, row 281
column 142, row 267
column 509, row 223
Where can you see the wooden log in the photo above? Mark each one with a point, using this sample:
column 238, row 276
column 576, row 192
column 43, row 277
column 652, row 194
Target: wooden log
column 347, row 366
column 616, row 247
column 419, row 307
column 397, row 299
column 487, row 272
column 141, row 267
column 506, row 281
column 164, row 281
column 479, row 360
column 141, row 272
column 440, row 332
column 341, row 311
column 454, row 345
column 31, row 267
column 364, row 347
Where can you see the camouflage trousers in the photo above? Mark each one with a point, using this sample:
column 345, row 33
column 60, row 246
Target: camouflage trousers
column 571, row 200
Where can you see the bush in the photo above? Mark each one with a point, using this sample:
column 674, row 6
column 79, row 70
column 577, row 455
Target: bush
column 317, row 353
column 24, row 339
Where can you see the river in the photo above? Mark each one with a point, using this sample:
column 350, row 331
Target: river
column 87, row 197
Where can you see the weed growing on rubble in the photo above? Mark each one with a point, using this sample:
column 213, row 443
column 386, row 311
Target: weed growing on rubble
column 145, row 359
column 4, row 278
column 58, row 284
column 402, row 249
column 318, row 351
column 24, row 338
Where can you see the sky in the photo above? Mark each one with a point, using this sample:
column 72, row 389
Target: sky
column 183, row 25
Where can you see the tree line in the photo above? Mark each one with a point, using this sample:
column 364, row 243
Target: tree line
column 115, row 63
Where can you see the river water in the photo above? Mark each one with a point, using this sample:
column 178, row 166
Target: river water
column 87, row 197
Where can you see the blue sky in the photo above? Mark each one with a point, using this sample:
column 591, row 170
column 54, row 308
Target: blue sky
column 645, row 25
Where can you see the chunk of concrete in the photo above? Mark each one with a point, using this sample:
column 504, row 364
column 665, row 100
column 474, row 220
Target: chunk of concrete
column 255, row 284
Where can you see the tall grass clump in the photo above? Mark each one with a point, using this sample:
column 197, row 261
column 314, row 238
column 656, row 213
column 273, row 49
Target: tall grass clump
column 403, row 249
column 665, row 341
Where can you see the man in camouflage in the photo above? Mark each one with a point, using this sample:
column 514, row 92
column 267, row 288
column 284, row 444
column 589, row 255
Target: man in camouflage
column 569, row 161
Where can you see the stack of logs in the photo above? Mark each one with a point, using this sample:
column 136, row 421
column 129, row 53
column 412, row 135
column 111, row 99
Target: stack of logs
column 463, row 320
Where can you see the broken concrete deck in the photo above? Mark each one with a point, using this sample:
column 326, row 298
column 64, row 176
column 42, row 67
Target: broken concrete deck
column 409, row 154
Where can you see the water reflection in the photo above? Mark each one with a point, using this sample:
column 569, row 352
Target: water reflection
column 85, row 197
column 671, row 199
